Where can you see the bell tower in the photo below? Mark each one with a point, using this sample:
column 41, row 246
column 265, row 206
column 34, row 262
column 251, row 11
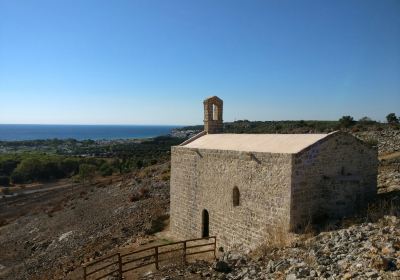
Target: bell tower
column 213, row 115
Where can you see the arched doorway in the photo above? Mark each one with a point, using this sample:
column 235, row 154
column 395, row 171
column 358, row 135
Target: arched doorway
column 205, row 224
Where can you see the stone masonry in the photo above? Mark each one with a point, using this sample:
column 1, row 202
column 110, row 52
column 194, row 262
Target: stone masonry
column 330, row 178
column 213, row 115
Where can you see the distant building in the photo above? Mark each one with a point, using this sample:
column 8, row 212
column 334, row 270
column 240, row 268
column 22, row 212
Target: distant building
column 239, row 187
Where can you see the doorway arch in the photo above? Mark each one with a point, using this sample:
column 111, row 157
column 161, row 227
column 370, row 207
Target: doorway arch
column 205, row 228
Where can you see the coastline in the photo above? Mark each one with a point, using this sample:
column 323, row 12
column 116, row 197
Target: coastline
column 34, row 132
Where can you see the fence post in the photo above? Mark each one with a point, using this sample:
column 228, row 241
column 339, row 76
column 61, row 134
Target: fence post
column 120, row 265
column 156, row 256
column 184, row 252
column 84, row 272
column 215, row 247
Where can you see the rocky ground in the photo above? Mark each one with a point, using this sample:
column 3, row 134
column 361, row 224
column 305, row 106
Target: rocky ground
column 70, row 226
column 350, row 249
column 388, row 143
column 387, row 140
column 366, row 251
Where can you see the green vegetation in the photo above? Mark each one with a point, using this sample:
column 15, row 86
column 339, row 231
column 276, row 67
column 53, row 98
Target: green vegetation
column 87, row 172
column 346, row 121
column 83, row 159
column 302, row 126
column 392, row 118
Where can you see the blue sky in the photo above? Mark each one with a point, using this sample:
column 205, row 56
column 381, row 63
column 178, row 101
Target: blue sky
column 153, row 62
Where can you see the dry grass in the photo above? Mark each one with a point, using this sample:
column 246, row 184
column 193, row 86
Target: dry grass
column 386, row 204
column 166, row 175
column 276, row 238
column 382, row 208
column 158, row 224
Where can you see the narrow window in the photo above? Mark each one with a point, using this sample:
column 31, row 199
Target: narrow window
column 205, row 226
column 236, row 196
column 215, row 112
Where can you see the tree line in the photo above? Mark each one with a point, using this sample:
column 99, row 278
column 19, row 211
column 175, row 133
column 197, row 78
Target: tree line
column 28, row 167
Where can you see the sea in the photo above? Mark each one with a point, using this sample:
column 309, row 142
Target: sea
column 18, row 132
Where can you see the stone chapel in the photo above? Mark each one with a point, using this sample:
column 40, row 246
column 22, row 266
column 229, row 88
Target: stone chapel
column 240, row 186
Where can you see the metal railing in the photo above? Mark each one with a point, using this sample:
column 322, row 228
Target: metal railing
column 119, row 263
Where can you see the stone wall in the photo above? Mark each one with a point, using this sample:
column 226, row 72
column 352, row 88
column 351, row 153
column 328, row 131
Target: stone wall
column 213, row 112
column 332, row 179
column 204, row 179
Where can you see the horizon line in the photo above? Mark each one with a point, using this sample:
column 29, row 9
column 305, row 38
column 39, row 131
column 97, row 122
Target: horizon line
column 88, row 124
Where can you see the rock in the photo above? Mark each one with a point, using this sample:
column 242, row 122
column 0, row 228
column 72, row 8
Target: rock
column 270, row 266
column 383, row 263
column 148, row 273
column 291, row 276
column 65, row 235
column 372, row 274
column 347, row 275
column 388, row 250
column 222, row 266
column 303, row 272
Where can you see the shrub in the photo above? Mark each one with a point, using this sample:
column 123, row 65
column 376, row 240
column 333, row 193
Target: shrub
column 165, row 176
column 346, row 121
column 392, row 118
column 139, row 164
column 4, row 181
column 7, row 166
column 69, row 166
column 158, row 224
column 371, row 142
column 86, row 172
column 366, row 121
column 106, row 170
column 18, row 177
column 139, row 194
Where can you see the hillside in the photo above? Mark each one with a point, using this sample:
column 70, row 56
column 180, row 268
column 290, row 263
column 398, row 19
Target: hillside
column 47, row 235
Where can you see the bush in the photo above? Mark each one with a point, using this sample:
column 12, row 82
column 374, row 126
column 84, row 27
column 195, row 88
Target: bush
column 346, row 121
column 106, row 170
column 87, row 172
column 139, row 195
column 139, row 164
column 392, row 118
column 18, row 177
column 366, row 121
column 158, row 224
column 69, row 166
column 4, row 181
column 7, row 166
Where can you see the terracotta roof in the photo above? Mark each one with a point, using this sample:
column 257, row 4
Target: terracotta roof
column 264, row 143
